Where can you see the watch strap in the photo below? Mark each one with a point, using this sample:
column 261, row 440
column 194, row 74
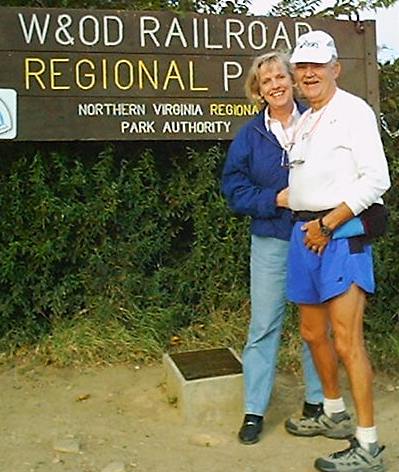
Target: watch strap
column 324, row 229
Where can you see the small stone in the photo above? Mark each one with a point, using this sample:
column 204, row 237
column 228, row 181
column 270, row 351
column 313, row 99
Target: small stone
column 69, row 446
column 83, row 397
column 390, row 388
column 115, row 467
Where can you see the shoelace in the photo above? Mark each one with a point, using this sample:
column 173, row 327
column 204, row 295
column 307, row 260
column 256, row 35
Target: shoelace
column 351, row 450
column 353, row 444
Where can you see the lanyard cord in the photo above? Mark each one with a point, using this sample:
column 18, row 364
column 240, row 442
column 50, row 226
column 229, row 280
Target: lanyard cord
column 303, row 124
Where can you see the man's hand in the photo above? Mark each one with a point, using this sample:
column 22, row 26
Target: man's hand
column 314, row 240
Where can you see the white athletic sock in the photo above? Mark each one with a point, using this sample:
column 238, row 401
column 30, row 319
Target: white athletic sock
column 366, row 436
column 333, row 405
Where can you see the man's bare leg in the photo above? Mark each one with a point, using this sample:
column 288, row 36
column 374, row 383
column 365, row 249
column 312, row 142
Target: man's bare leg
column 315, row 329
column 346, row 314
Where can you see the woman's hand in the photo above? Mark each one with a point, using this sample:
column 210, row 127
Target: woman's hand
column 282, row 198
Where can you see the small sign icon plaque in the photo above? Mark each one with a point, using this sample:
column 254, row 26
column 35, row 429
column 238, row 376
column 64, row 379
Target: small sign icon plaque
column 8, row 113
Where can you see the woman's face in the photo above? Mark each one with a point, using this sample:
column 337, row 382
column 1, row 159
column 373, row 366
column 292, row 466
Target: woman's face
column 275, row 85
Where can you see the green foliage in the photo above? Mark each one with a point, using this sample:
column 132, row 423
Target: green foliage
column 200, row 6
column 143, row 240
column 305, row 8
column 302, row 8
column 383, row 315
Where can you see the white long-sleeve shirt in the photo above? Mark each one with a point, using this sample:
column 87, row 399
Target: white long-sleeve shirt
column 344, row 160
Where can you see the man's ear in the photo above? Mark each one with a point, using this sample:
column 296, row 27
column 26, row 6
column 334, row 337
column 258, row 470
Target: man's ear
column 337, row 69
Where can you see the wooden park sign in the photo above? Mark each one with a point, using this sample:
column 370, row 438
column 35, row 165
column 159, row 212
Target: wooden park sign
column 123, row 75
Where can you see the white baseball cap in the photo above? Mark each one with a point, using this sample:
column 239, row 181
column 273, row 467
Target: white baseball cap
column 316, row 46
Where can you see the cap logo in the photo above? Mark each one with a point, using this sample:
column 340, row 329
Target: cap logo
column 309, row 44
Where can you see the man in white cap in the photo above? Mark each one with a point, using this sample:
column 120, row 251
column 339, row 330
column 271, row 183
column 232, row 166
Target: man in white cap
column 337, row 170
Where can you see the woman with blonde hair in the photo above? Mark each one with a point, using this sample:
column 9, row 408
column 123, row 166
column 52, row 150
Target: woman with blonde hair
column 254, row 178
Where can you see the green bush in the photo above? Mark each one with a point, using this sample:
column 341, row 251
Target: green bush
column 143, row 238
column 382, row 320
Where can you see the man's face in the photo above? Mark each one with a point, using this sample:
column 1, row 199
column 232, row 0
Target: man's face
column 317, row 81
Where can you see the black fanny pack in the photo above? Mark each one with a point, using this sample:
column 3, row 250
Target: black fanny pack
column 375, row 221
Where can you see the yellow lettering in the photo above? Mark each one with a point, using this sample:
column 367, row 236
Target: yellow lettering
column 213, row 108
column 152, row 78
column 191, row 79
column 54, row 74
column 87, row 75
column 232, row 109
column 36, row 74
column 173, row 69
column 117, row 74
column 104, row 71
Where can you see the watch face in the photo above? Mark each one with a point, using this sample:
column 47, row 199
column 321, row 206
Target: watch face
column 324, row 230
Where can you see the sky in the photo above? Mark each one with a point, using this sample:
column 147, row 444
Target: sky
column 387, row 25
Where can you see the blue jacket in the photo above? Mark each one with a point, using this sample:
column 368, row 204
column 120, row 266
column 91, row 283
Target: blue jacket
column 252, row 177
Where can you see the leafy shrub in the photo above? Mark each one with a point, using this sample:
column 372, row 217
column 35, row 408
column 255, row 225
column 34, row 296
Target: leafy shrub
column 107, row 235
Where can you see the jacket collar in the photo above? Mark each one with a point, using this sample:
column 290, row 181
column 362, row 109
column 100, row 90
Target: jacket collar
column 259, row 123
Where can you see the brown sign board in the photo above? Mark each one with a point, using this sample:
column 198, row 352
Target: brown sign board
column 70, row 74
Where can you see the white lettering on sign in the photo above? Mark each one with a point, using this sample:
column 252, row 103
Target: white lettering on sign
column 62, row 34
column 230, row 34
column 111, row 109
column 146, row 30
column 178, row 109
column 196, row 127
column 207, row 37
column 178, row 32
column 231, row 70
column 34, row 28
column 261, row 29
column 139, row 127
column 91, row 30
column 281, row 35
column 175, row 31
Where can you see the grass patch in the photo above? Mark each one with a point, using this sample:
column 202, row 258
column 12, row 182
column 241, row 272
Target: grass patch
column 118, row 335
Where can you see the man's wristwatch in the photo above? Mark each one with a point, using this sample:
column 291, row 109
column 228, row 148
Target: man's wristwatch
column 324, row 229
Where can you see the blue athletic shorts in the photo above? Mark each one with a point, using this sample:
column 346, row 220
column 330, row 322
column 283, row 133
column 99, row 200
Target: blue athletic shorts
column 314, row 279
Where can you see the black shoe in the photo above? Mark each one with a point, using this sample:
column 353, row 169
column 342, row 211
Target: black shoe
column 250, row 429
column 312, row 409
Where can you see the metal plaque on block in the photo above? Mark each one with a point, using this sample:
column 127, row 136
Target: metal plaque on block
column 208, row 363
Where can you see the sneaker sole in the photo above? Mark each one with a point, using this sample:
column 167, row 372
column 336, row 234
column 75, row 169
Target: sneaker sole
column 248, row 443
column 375, row 468
column 326, row 434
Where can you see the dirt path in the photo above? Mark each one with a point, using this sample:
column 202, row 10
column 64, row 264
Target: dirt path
column 120, row 419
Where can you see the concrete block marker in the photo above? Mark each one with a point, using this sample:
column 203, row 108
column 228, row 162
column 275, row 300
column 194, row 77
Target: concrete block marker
column 205, row 385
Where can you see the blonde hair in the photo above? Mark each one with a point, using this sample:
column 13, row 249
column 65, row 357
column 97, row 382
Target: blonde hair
column 251, row 86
